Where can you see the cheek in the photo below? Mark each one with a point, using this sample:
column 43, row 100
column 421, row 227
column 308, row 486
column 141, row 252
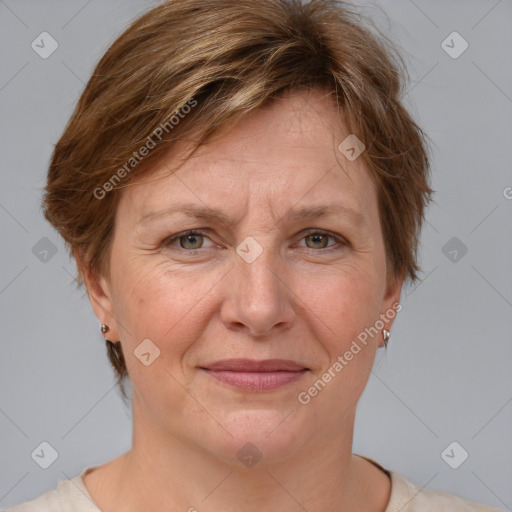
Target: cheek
column 162, row 304
column 341, row 307
column 344, row 301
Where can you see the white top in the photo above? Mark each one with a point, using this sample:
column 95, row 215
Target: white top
column 72, row 496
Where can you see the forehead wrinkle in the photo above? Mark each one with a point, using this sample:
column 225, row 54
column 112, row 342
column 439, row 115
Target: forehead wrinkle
column 189, row 210
column 216, row 215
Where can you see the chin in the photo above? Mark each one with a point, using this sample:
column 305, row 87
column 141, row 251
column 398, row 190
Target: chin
column 260, row 438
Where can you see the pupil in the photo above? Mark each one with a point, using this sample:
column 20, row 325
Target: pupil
column 317, row 238
column 192, row 239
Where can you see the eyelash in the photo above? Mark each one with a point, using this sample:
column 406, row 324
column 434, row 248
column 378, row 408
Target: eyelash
column 169, row 241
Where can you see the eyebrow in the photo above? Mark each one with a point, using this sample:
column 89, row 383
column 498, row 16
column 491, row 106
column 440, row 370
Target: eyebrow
column 215, row 215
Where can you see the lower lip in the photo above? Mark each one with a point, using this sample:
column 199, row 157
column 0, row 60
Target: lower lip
column 256, row 381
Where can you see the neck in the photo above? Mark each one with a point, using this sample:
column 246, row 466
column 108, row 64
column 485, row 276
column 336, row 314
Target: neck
column 163, row 472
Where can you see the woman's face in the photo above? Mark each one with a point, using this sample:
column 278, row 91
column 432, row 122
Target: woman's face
column 269, row 281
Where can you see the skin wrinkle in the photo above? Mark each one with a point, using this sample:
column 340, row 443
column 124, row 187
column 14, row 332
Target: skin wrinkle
column 289, row 303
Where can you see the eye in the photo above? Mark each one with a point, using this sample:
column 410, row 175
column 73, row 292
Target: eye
column 189, row 240
column 192, row 240
column 318, row 239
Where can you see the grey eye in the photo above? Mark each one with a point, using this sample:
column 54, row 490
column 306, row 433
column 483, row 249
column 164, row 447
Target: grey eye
column 191, row 241
column 319, row 240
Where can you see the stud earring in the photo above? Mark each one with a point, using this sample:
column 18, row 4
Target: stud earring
column 104, row 328
column 385, row 334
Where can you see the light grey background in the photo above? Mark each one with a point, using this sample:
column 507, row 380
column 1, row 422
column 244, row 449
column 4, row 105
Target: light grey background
column 446, row 376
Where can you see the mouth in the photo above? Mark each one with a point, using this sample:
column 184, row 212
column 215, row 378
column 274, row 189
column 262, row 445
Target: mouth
column 252, row 375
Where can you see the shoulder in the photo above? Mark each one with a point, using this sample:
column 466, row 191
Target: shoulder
column 68, row 496
column 47, row 502
column 408, row 497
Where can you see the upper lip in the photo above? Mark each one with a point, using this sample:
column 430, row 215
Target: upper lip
column 251, row 365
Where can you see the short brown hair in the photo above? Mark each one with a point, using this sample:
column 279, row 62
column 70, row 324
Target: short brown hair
column 230, row 58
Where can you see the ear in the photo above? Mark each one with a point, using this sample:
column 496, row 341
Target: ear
column 100, row 296
column 391, row 301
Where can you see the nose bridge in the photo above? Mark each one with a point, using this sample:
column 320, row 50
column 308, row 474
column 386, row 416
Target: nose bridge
column 257, row 252
column 257, row 267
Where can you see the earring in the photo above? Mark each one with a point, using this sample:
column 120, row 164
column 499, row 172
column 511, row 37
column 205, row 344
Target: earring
column 104, row 328
column 385, row 334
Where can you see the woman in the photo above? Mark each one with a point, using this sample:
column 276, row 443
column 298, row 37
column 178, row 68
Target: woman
column 243, row 194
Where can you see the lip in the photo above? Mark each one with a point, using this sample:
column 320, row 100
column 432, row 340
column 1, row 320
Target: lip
column 252, row 365
column 252, row 375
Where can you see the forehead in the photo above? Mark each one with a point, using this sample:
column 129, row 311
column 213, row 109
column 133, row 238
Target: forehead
column 280, row 156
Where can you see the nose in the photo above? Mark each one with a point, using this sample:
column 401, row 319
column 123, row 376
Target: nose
column 258, row 299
